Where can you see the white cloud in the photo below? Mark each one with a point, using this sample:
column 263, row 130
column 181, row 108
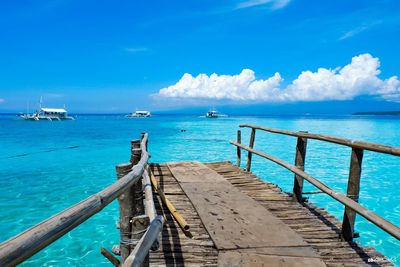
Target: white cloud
column 353, row 32
column 359, row 30
column 135, row 49
column 275, row 4
column 360, row 77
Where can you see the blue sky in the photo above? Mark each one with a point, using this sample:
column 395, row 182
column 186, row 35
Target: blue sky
column 116, row 56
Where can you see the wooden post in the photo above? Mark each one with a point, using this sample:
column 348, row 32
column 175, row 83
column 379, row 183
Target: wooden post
column 239, row 154
column 109, row 256
column 252, row 137
column 147, row 141
column 135, row 151
column 128, row 202
column 353, row 190
column 126, row 209
column 301, row 148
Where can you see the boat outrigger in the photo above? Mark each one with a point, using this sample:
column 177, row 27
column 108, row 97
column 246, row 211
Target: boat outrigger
column 139, row 114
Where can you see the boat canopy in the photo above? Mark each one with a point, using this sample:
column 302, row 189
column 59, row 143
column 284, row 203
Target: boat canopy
column 53, row 110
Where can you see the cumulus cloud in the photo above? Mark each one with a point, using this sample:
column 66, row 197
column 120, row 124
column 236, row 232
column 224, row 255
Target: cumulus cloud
column 360, row 77
column 275, row 4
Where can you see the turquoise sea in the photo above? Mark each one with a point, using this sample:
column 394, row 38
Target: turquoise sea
column 47, row 166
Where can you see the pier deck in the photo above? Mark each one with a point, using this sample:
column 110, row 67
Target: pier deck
column 215, row 199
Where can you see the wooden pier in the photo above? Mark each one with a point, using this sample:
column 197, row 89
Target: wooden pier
column 315, row 226
column 217, row 214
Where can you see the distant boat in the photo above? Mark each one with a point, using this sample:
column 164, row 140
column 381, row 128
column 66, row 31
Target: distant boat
column 49, row 114
column 139, row 114
column 214, row 114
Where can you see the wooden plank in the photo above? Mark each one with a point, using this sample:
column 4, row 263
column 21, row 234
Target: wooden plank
column 232, row 219
column 241, row 258
column 176, row 248
column 198, row 173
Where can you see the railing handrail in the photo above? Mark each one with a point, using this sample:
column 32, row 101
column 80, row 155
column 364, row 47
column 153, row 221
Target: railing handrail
column 22, row 246
column 391, row 150
column 348, row 202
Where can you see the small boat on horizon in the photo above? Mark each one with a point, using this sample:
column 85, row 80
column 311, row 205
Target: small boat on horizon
column 139, row 114
column 214, row 114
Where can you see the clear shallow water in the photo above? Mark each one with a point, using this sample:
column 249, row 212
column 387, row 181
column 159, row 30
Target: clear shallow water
column 50, row 176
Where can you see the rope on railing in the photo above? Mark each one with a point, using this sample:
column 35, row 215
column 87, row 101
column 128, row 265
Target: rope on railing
column 141, row 250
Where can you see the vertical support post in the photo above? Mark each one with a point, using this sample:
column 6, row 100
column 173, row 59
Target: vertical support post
column 353, row 191
column 147, row 141
column 238, row 152
column 136, row 154
column 128, row 202
column 135, row 151
column 251, row 144
column 300, row 159
column 126, row 209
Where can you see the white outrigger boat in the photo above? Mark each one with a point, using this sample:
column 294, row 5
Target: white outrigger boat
column 214, row 114
column 49, row 114
column 139, row 114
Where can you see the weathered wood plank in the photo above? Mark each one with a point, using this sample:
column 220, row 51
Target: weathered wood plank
column 176, row 248
column 232, row 219
column 239, row 258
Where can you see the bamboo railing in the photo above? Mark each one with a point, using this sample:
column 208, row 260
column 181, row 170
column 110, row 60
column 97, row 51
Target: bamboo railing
column 26, row 244
column 350, row 201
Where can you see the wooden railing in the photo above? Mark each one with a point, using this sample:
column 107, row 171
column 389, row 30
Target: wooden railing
column 24, row 245
column 350, row 201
